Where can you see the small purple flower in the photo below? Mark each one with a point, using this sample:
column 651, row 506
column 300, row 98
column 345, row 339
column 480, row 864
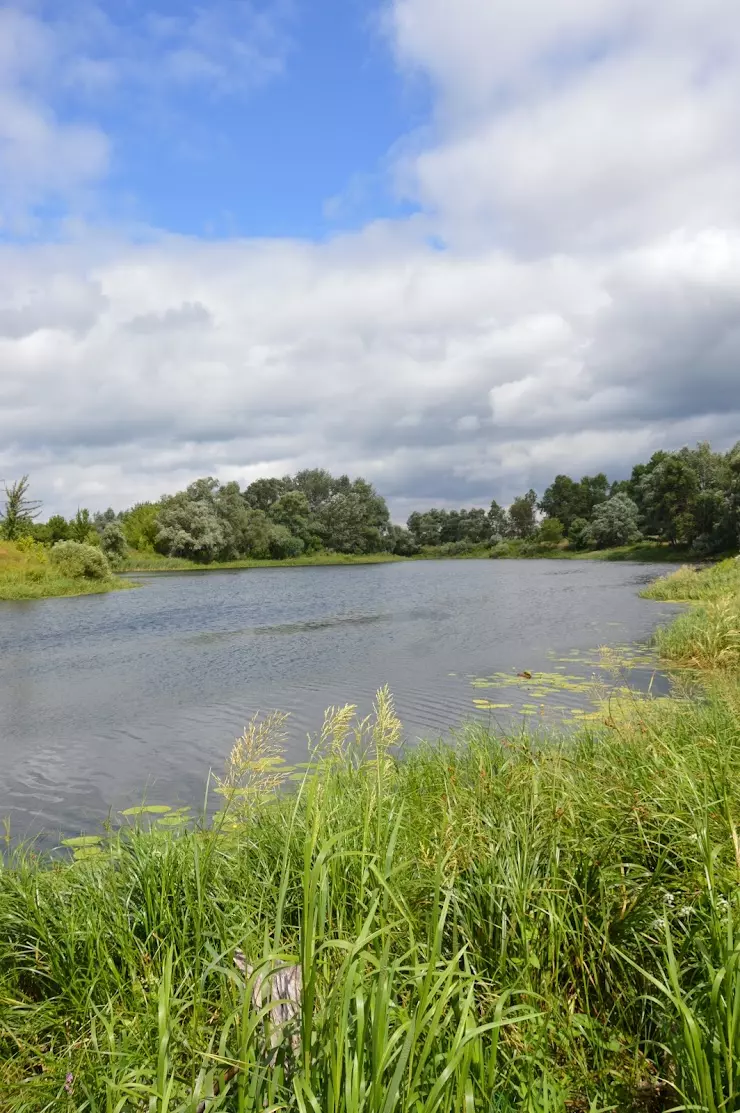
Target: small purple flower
column 69, row 1082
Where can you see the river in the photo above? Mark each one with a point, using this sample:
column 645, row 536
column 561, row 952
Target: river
column 107, row 700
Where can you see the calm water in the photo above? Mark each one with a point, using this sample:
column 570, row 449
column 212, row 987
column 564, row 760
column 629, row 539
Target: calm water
column 107, row 699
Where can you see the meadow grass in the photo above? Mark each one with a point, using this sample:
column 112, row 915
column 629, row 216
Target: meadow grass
column 496, row 923
column 24, row 575
column 708, row 635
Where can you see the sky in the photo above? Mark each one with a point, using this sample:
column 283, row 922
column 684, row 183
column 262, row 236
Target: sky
column 453, row 248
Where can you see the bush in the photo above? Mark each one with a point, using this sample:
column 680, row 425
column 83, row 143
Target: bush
column 31, row 547
column 80, row 561
column 283, row 544
column 550, row 532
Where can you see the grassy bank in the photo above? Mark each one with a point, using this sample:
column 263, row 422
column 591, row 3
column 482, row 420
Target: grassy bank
column 499, row 925
column 707, row 636
column 154, row 562
column 24, row 575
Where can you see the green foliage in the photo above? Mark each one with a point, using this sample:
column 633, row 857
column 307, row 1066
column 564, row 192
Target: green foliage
column 523, row 517
column 80, row 561
column 499, row 924
column 140, row 525
column 283, row 544
column 113, row 543
column 550, row 531
column 20, row 511
column 402, row 542
column 578, row 535
column 614, row 523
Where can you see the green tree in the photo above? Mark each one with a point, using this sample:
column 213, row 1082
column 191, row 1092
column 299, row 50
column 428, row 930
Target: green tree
column 140, row 525
column 20, row 510
column 669, row 494
column 113, row 543
column 261, row 494
column 614, row 523
column 578, row 536
column 402, row 542
column 292, row 511
column 499, row 521
column 562, row 500
column 81, row 528
column 523, row 516
column 550, row 531
column 57, row 529
column 354, row 521
column 188, row 524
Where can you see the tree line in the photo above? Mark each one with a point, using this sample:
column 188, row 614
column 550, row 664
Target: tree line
column 688, row 498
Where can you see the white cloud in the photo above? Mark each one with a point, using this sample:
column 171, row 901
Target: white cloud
column 583, row 169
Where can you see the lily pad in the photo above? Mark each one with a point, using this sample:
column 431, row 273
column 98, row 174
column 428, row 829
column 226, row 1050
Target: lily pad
column 83, row 840
column 85, row 852
column 148, row 809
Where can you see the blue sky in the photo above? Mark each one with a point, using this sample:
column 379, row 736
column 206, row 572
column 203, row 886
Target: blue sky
column 455, row 248
column 289, row 135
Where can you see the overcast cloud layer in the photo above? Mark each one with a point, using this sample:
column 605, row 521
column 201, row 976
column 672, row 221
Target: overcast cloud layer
column 568, row 297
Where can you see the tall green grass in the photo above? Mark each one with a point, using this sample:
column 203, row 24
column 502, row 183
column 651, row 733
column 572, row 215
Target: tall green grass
column 708, row 635
column 29, row 574
column 492, row 924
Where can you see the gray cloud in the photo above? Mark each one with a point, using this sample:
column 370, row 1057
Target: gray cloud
column 585, row 311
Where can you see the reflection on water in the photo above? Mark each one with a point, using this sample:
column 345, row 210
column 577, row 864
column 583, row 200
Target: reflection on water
column 107, row 699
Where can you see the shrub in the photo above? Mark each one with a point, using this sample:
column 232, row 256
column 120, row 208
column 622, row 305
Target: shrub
column 28, row 545
column 283, row 544
column 80, row 561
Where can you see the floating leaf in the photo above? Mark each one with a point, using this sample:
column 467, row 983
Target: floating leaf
column 148, row 809
column 85, row 852
column 82, row 840
column 172, row 820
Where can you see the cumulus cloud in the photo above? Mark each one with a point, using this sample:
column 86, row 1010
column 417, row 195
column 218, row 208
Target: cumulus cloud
column 582, row 171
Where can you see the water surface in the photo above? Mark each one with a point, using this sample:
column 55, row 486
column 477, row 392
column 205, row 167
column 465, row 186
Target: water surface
column 106, row 699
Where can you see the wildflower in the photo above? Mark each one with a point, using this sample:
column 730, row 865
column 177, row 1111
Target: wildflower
column 659, row 923
column 685, row 911
column 669, row 898
column 69, row 1082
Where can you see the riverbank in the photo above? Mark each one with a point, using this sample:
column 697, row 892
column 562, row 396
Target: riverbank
column 643, row 552
column 26, row 575
column 546, row 920
column 155, row 562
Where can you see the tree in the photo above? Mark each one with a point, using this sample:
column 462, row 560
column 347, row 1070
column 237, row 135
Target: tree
column 292, row 511
column 113, row 543
column 57, row 528
column 283, row 544
column 354, row 521
column 550, row 532
column 189, row 526
column 669, row 496
column 498, row 520
column 522, row 516
column 20, row 510
column 140, row 525
column 81, row 528
column 578, row 535
column 614, row 523
column 402, row 542
column 261, row 494
column 562, row 500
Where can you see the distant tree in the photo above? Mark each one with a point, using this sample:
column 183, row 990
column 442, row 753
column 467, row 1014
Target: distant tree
column 474, row 526
column 261, row 494
column 57, row 529
column 113, row 543
column 562, row 500
column 293, row 511
column 402, row 541
column 101, row 520
column 319, row 486
column 499, row 521
column 188, row 524
column 20, row 511
column 669, row 494
column 140, row 525
column 81, row 528
column 614, row 523
column 523, row 516
column 355, row 520
column 550, row 531
column 426, row 527
column 283, row 544
column 578, row 536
